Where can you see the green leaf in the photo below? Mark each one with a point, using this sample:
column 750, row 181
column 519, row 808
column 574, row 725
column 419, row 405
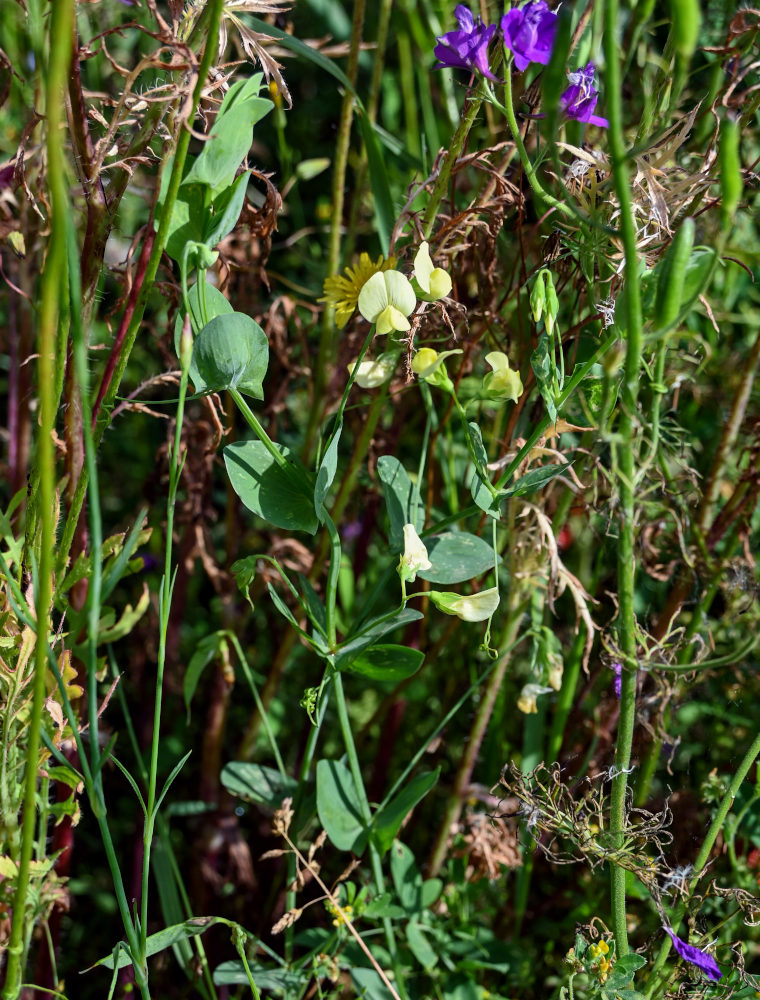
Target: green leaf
column 627, row 965
column 543, row 368
column 339, row 806
column 165, row 939
column 534, row 480
column 370, row 633
column 232, row 351
column 244, row 571
column 326, row 473
column 233, row 973
column 188, row 219
column 420, row 946
column 368, row 984
column 228, row 143
column 402, row 499
column 204, row 653
column 226, row 209
column 431, row 890
column 388, row 663
column 387, row 822
column 407, row 879
column 384, row 906
column 283, row 497
column 313, row 605
column 257, row 783
column 456, row 556
column 215, row 305
column 286, row 613
column 481, row 492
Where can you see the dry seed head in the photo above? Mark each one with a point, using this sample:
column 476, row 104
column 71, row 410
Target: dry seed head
column 287, row 920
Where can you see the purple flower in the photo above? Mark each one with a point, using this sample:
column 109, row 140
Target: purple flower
column 617, row 669
column 529, row 33
column 696, row 956
column 466, row 48
column 579, row 100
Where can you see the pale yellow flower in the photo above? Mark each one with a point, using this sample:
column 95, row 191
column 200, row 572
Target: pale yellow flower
column 434, row 282
column 387, row 299
column 373, row 373
column 341, row 291
column 502, row 382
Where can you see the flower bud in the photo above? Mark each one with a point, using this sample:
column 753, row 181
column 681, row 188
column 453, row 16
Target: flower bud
column 415, row 556
column 476, row 608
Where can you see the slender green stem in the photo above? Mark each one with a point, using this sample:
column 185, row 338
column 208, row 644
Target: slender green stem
column 530, row 170
column 252, row 420
column 356, row 774
column 165, row 599
column 626, row 468
column 441, row 184
column 331, row 587
column 53, row 284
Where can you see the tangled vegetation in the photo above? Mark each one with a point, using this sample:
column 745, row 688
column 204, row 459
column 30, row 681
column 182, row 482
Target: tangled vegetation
column 380, row 501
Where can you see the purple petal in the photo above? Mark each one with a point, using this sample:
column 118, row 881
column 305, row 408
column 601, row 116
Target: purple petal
column 464, row 18
column 466, row 48
column 529, row 33
column 690, row 953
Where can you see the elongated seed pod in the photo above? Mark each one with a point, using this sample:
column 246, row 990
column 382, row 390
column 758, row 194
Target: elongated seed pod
column 731, row 183
column 671, row 278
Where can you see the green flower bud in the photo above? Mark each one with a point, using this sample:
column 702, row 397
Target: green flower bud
column 428, row 364
column 476, row 608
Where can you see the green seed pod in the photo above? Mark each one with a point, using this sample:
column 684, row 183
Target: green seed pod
column 687, row 20
column 672, row 272
column 731, row 183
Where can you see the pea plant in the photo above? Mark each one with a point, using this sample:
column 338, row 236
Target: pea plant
column 377, row 547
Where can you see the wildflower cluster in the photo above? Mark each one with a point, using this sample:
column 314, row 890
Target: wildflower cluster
column 527, row 34
column 601, row 951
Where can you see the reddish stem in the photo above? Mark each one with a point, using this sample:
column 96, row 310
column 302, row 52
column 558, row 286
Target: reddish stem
column 118, row 344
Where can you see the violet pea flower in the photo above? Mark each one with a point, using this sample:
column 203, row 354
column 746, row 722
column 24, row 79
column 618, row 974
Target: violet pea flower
column 579, row 100
column 529, row 33
column 696, row 956
column 466, row 48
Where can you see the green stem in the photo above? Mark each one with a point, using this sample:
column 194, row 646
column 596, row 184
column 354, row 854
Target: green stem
column 53, row 279
column 626, row 470
column 253, row 422
column 356, row 774
column 530, row 171
column 165, row 599
column 452, row 154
